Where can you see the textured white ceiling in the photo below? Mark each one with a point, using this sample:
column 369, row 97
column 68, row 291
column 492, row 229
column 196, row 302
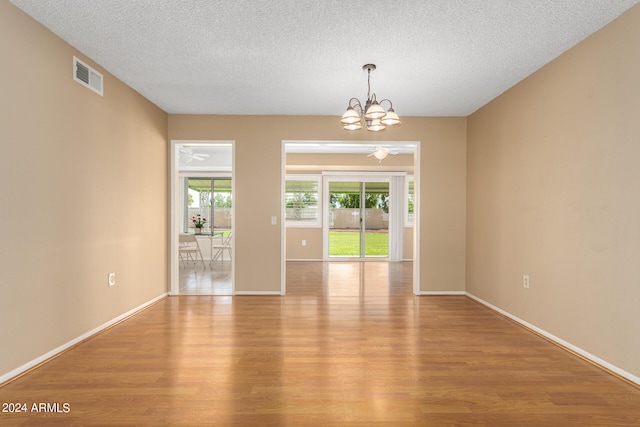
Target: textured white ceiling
column 304, row 57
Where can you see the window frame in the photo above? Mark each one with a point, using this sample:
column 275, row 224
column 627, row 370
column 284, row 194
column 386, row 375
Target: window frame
column 313, row 223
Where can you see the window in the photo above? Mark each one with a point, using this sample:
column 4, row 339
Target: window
column 410, row 201
column 302, row 201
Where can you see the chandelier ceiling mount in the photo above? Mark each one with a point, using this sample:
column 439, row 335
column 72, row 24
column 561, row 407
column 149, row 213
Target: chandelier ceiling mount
column 373, row 116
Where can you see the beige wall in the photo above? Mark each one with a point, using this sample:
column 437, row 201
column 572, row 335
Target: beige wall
column 553, row 192
column 313, row 249
column 83, row 183
column 258, row 171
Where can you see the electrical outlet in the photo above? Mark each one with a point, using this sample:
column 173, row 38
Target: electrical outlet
column 304, row 243
column 525, row 281
column 111, row 280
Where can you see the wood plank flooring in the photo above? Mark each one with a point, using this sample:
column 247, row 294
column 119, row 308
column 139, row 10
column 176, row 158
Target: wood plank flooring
column 349, row 345
column 214, row 278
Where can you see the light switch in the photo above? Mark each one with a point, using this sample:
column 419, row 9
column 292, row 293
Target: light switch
column 274, row 220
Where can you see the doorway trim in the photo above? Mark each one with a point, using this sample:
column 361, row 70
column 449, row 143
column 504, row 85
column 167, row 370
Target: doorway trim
column 416, row 221
column 174, row 220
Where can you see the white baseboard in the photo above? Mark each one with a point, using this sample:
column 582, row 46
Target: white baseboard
column 35, row 362
column 442, row 293
column 278, row 293
column 595, row 359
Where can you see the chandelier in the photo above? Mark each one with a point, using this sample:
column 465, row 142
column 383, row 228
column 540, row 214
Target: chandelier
column 373, row 116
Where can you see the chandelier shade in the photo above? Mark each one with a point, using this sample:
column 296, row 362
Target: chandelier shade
column 375, row 111
column 350, row 116
column 391, row 118
column 375, row 125
column 373, row 115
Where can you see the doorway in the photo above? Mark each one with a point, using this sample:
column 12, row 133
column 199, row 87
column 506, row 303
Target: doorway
column 202, row 218
column 344, row 161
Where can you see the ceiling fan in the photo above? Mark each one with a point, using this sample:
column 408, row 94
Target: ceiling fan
column 381, row 153
column 188, row 155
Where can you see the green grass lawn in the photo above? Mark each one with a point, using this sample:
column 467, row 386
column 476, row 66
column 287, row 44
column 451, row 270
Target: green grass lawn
column 347, row 243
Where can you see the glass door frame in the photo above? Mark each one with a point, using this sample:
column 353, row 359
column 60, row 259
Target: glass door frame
column 362, row 177
column 184, row 184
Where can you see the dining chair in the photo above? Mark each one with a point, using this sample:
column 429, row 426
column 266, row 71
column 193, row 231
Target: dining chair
column 189, row 249
column 221, row 247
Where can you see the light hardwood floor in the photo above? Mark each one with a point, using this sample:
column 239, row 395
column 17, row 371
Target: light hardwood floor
column 348, row 345
column 212, row 278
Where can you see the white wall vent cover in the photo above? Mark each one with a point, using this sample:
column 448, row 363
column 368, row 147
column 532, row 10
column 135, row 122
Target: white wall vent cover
column 87, row 76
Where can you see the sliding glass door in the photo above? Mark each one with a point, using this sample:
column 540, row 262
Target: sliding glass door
column 358, row 219
column 208, row 200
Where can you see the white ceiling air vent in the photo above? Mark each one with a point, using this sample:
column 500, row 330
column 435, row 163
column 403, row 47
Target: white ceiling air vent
column 87, row 76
